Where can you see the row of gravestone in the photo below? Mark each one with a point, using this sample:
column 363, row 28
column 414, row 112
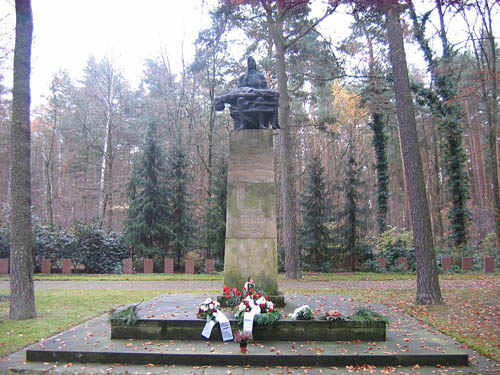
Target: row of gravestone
column 67, row 265
column 168, row 265
column 446, row 263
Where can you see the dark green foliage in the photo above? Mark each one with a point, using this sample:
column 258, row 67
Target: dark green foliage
column 265, row 319
column 305, row 315
column 4, row 242
column 380, row 145
column 214, row 228
column 314, row 234
column 364, row 314
column 100, row 253
column 351, row 246
column 393, row 244
column 146, row 225
column 85, row 244
column 180, row 222
column 128, row 314
column 444, row 104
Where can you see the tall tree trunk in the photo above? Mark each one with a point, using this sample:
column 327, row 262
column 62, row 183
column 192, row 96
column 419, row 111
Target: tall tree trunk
column 104, row 188
column 288, row 189
column 428, row 290
column 22, row 289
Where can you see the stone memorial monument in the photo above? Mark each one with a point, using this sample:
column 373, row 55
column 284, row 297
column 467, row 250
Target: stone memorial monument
column 251, row 246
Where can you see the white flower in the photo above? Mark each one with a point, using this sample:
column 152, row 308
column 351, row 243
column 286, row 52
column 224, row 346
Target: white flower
column 207, row 301
column 269, row 305
column 210, row 306
column 299, row 310
column 255, row 310
column 203, row 308
column 261, row 301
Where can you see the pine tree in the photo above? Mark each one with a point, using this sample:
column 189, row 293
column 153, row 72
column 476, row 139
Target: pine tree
column 214, row 230
column 180, row 225
column 146, row 225
column 314, row 234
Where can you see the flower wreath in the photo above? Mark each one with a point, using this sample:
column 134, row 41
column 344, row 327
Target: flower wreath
column 207, row 309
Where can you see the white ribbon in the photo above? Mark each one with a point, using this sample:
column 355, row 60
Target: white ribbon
column 207, row 330
column 225, row 326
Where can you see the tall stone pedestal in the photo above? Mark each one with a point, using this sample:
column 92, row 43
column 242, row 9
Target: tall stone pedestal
column 251, row 246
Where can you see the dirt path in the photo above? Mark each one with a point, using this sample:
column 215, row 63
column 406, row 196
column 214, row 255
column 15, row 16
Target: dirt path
column 216, row 285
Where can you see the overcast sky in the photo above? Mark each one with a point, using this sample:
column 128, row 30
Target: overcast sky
column 66, row 32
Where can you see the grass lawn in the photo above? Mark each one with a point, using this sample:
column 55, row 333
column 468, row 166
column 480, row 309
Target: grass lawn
column 58, row 310
column 344, row 276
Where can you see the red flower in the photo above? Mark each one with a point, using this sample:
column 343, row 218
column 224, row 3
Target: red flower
column 271, row 310
column 267, row 298
column 251, row 290
column 238, row 293
column 226, row 290
column 234, row 290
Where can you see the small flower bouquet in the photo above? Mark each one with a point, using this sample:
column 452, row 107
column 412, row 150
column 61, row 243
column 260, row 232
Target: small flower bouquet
column 243, row 338
column 333, row 315
column 303, row 312
column 207, row 309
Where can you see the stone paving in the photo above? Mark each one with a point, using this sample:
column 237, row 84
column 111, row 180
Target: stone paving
column 405, row 336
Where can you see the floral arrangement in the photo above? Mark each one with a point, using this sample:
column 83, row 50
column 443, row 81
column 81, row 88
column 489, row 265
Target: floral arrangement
column 251, row 299
column 303, row 312
column 207, row 309
column 333, row 315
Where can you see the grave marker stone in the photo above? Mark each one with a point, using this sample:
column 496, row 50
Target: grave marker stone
column 168, row 265
column 127, row 266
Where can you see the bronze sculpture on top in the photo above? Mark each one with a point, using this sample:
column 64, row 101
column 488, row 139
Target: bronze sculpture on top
column 252, row 104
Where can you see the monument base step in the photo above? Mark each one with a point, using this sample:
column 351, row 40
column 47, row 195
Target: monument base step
column 282, row 330
column 200, row 354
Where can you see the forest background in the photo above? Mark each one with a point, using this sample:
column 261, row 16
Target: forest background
column 141, row 171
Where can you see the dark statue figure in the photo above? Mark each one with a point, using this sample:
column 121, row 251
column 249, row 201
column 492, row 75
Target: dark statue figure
column 252, row 104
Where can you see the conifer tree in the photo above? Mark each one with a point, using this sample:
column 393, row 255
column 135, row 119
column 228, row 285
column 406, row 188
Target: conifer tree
column 314, row 234
column 180, row 226
column 214, row 230
column 351, row 219
column 146, row 225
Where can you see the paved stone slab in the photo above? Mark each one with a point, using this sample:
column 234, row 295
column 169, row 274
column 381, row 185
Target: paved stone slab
column 406, row 337
column 407, row 343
